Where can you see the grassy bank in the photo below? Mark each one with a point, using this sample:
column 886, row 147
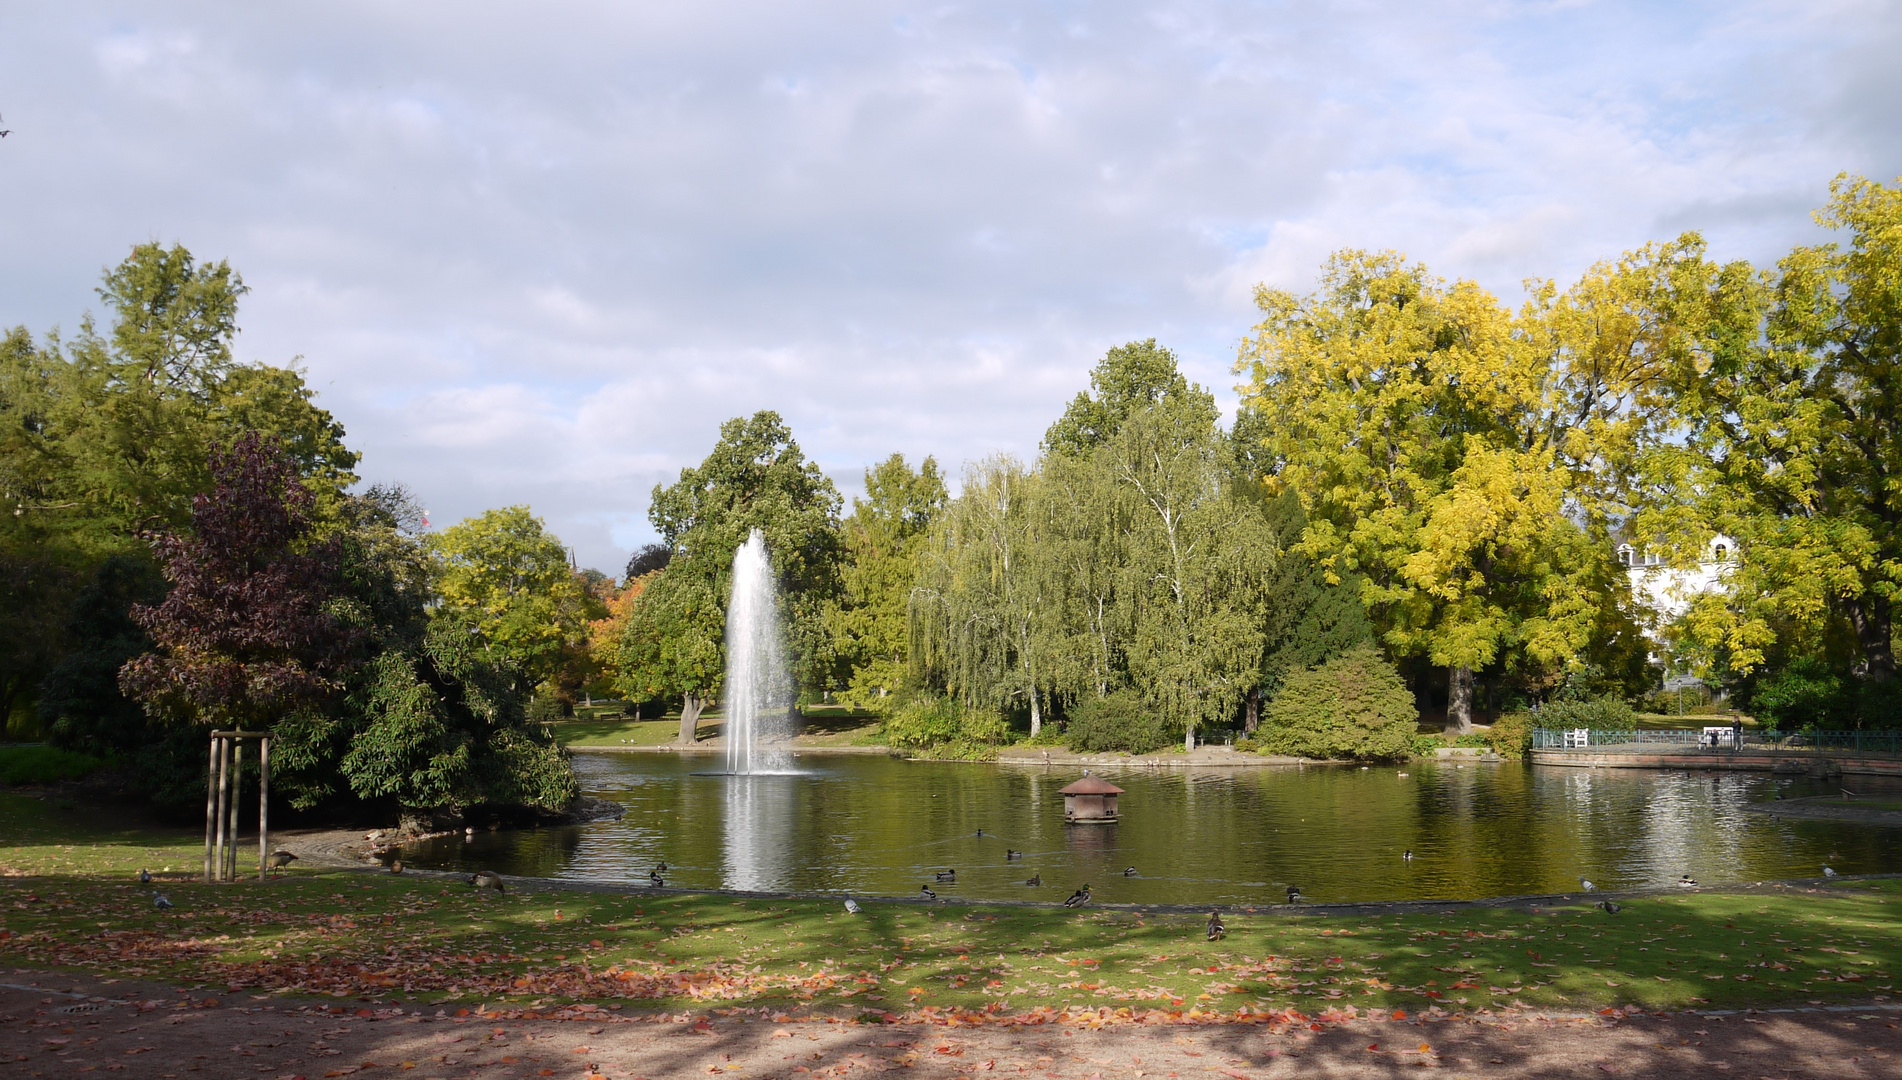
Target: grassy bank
column 67, row 899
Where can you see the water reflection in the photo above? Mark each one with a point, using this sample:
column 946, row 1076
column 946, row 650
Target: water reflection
column 873, row 825
column 757, row 830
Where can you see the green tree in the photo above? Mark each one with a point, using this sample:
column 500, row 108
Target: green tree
column 882, row 536
column 508, row 581
column 1131, row 376
column 756, row 477
column 1307, row 619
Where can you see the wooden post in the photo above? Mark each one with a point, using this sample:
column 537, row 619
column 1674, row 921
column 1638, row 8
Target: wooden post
column 264, row 804
column 211, row 803
column 224, row 802
column 237, row 790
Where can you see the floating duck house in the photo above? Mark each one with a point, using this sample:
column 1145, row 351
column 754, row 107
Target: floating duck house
column 1090, row 799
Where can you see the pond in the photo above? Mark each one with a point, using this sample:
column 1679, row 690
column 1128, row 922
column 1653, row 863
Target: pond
column 878, row 826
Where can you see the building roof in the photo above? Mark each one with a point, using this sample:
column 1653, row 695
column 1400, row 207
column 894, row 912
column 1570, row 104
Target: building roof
column 1092, row 785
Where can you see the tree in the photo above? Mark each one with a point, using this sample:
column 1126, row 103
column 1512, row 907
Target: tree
column 245, row 634
column 882, row 537
column 1788, row 442
column 756, row 477
column 508, row 581
column 81, row 706
column 1131, row 376
column 1423, row 428
column 1308, row 620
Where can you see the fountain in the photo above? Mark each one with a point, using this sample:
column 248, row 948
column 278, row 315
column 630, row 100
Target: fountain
column 758, row 692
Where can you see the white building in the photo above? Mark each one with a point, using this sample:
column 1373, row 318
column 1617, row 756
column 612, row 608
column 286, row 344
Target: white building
column 1666, row 592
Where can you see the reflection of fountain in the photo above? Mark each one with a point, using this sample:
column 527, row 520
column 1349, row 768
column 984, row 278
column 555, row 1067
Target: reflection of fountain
column 757, row 690
column 756, row 833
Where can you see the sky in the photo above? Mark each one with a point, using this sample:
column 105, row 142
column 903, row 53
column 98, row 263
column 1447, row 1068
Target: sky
column 536, row 254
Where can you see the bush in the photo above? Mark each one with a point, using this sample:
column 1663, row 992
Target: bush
column 1120, row 722
column 1353, row 706
column 1511, row 735
column 43, row 764
column 923, row 721
column 1606, row 713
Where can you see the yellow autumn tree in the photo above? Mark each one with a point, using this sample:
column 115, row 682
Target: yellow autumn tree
column 1425, row 427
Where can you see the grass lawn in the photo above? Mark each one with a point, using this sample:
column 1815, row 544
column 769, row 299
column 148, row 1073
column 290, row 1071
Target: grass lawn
column 825, row 725
column 67, row 900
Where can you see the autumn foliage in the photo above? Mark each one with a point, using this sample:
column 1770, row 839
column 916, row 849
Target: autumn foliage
column 244, row 634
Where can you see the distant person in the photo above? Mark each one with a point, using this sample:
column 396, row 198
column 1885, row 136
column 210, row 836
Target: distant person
column 1736, row 733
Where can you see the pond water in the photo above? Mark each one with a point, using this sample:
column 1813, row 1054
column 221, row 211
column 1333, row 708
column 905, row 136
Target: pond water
column 873, row 825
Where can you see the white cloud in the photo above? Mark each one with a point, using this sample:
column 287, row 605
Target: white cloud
column 539, row 254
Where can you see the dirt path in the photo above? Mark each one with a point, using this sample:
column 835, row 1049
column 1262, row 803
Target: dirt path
column 65, row 1026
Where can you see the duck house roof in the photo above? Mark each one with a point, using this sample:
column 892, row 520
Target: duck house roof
column 1092, row 785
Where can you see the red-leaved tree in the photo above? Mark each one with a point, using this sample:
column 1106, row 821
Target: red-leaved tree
column 244, row 635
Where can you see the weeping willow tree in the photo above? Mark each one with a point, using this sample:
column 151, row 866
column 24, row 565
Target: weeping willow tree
column 1123, row 561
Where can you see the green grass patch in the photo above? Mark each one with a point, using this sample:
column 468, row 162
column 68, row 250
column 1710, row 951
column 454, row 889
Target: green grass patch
column 37, row 764
column 68, row 900
column 624, row 731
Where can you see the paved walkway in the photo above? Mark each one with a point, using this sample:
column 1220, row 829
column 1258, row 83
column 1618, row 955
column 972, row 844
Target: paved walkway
column 64, row 1026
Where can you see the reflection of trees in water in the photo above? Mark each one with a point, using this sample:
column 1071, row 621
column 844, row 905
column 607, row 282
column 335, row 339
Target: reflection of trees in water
column 876, row 826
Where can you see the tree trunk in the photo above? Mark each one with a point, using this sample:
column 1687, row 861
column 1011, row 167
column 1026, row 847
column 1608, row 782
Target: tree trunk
column 1871, row 618
column 1036, row 716
column 1252, row 718
column 690, row 707
column 1459, row 701
column 1188, row 739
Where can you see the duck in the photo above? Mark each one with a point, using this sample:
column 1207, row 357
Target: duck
column 654, row 879
column 1129, row 871
column 1217, row 929
column 1011, row 853
column 1407, row 855
column 1294, row 894
column 1036, row 881
column 851, row 906
column 925, row 891
column 1687, row 881
column 662, row 868
column 487, row 881
column 396, row 866
column 946, row 875
column 1078, row 898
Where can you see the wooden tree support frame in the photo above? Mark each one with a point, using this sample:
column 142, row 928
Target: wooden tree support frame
column 223, row 779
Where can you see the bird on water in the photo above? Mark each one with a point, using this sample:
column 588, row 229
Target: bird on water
column 1407, row 855
column 1216, row 927
column 1036, row 881
column 946, row 875
column 1078, row 898
column 662, row 868
column 1294, row 895
column 1129, row 871
column 1010, row 853
column 1687, row 881
column 925, row 891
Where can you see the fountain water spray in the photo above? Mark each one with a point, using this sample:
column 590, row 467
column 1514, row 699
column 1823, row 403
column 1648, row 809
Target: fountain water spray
column 758, row 693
